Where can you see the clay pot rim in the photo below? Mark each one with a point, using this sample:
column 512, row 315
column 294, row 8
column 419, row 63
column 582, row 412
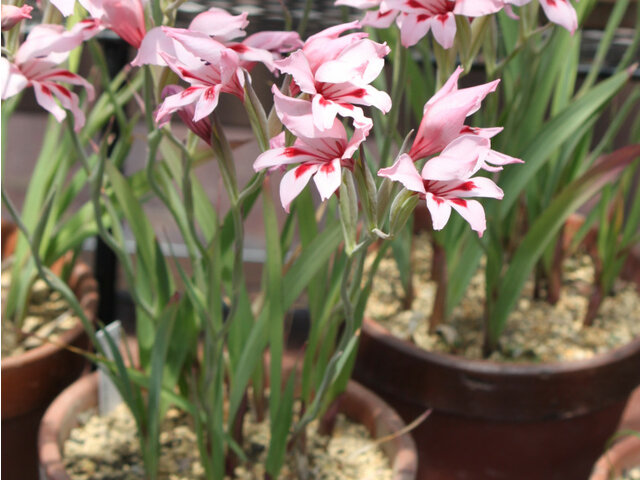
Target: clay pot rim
column 85, row 289
column 488, row 367
column 44, row 350
column 83, row 394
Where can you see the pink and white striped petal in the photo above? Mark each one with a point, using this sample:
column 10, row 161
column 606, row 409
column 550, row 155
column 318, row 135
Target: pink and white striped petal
column 405, row 172
column 294, row 181
column 463, row 157
column 413, row 28
column 443, row 28
column 298, row 67
column 207, row 102
column 328, row 178
column 472, row 212
column 439, row 209
column 561, row 12
column 218, row 23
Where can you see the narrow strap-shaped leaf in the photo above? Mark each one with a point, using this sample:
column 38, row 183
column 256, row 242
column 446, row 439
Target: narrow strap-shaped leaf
column 546, row 227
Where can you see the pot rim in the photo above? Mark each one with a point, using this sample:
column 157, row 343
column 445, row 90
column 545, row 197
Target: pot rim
column 489, row 367
column 83, row 394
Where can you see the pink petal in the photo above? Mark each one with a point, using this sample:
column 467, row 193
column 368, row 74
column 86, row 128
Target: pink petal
column 460, row 159
column 294, row 181
column 324, row 112
column 65, row 6
column 360, row 133
column 279, row 156
column 12, row 15
column 561, row 12
column 380, row 19
column 220, row 24
column 44, row 97
column 178, row 100
column 154, row 43
column 328, row 178
column 12, row 81
column 439, row 209
column 280, row 42
column 412, row 28
column 298, row 67
column 126, row 19
column 477, row 8
column 478, row 187
column 443, row 28
column 207, row 102
column 472, row 212
column 361, row 63
column 68, row 77
column 404, row 171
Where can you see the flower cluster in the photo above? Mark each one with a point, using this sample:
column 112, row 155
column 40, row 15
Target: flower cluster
column 415, row 18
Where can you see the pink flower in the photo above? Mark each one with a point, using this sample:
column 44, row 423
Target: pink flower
column 416, row 17
column 447, row 181
column 36, row 65
column 560, row 12
column 12, row 15
column 320, row 153
column 208, row 66
column 124, row 17
column 336, row 71
column 223, row 27
column 444, row 116
column 202, row 127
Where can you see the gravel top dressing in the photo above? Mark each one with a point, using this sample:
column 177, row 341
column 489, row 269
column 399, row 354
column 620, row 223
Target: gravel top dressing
column 48, row 317
column 106, row 448
column 536, row 331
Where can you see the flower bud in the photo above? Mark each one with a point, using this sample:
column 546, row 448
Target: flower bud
column 401, row 208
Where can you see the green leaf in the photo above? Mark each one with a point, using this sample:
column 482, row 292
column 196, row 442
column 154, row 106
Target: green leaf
column 546, row 227
column 553, row 135
column 280, row 424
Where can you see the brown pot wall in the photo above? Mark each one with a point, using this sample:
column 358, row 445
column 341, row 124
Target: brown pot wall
column 30, row 381
column 358, row 403
column 501, row 421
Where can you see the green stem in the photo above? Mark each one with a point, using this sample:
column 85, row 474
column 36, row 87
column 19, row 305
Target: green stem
column 397, row 89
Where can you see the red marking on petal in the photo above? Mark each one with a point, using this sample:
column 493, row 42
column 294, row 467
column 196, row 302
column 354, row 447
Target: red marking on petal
column 188, row 91
column 468, row 129
column 466, row 186
column 359, row 93
column 302, row 169
column 210, row 94
column 240, row 48
column 442, row 18
column 438, row 200
column 292, row 152
column 327, row 168
column 65, row 73
column 422, row 18
column 414, row 4
column 459, row 201
column 323, row 101
column 46, row 90
column 63, row 90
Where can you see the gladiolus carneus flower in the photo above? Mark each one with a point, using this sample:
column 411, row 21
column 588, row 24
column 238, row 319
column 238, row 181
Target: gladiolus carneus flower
column 320, row 153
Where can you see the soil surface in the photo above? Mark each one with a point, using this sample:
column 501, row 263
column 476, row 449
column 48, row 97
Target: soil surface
column 536, row 331
column 48, row 317
column 106, row 448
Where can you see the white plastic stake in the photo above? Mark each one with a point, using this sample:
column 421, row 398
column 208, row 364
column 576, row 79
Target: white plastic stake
column 108, row 395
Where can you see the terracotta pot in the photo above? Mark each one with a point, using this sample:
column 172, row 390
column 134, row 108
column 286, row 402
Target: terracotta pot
column 31, row 380
column 494, row 420
column 359, row 403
